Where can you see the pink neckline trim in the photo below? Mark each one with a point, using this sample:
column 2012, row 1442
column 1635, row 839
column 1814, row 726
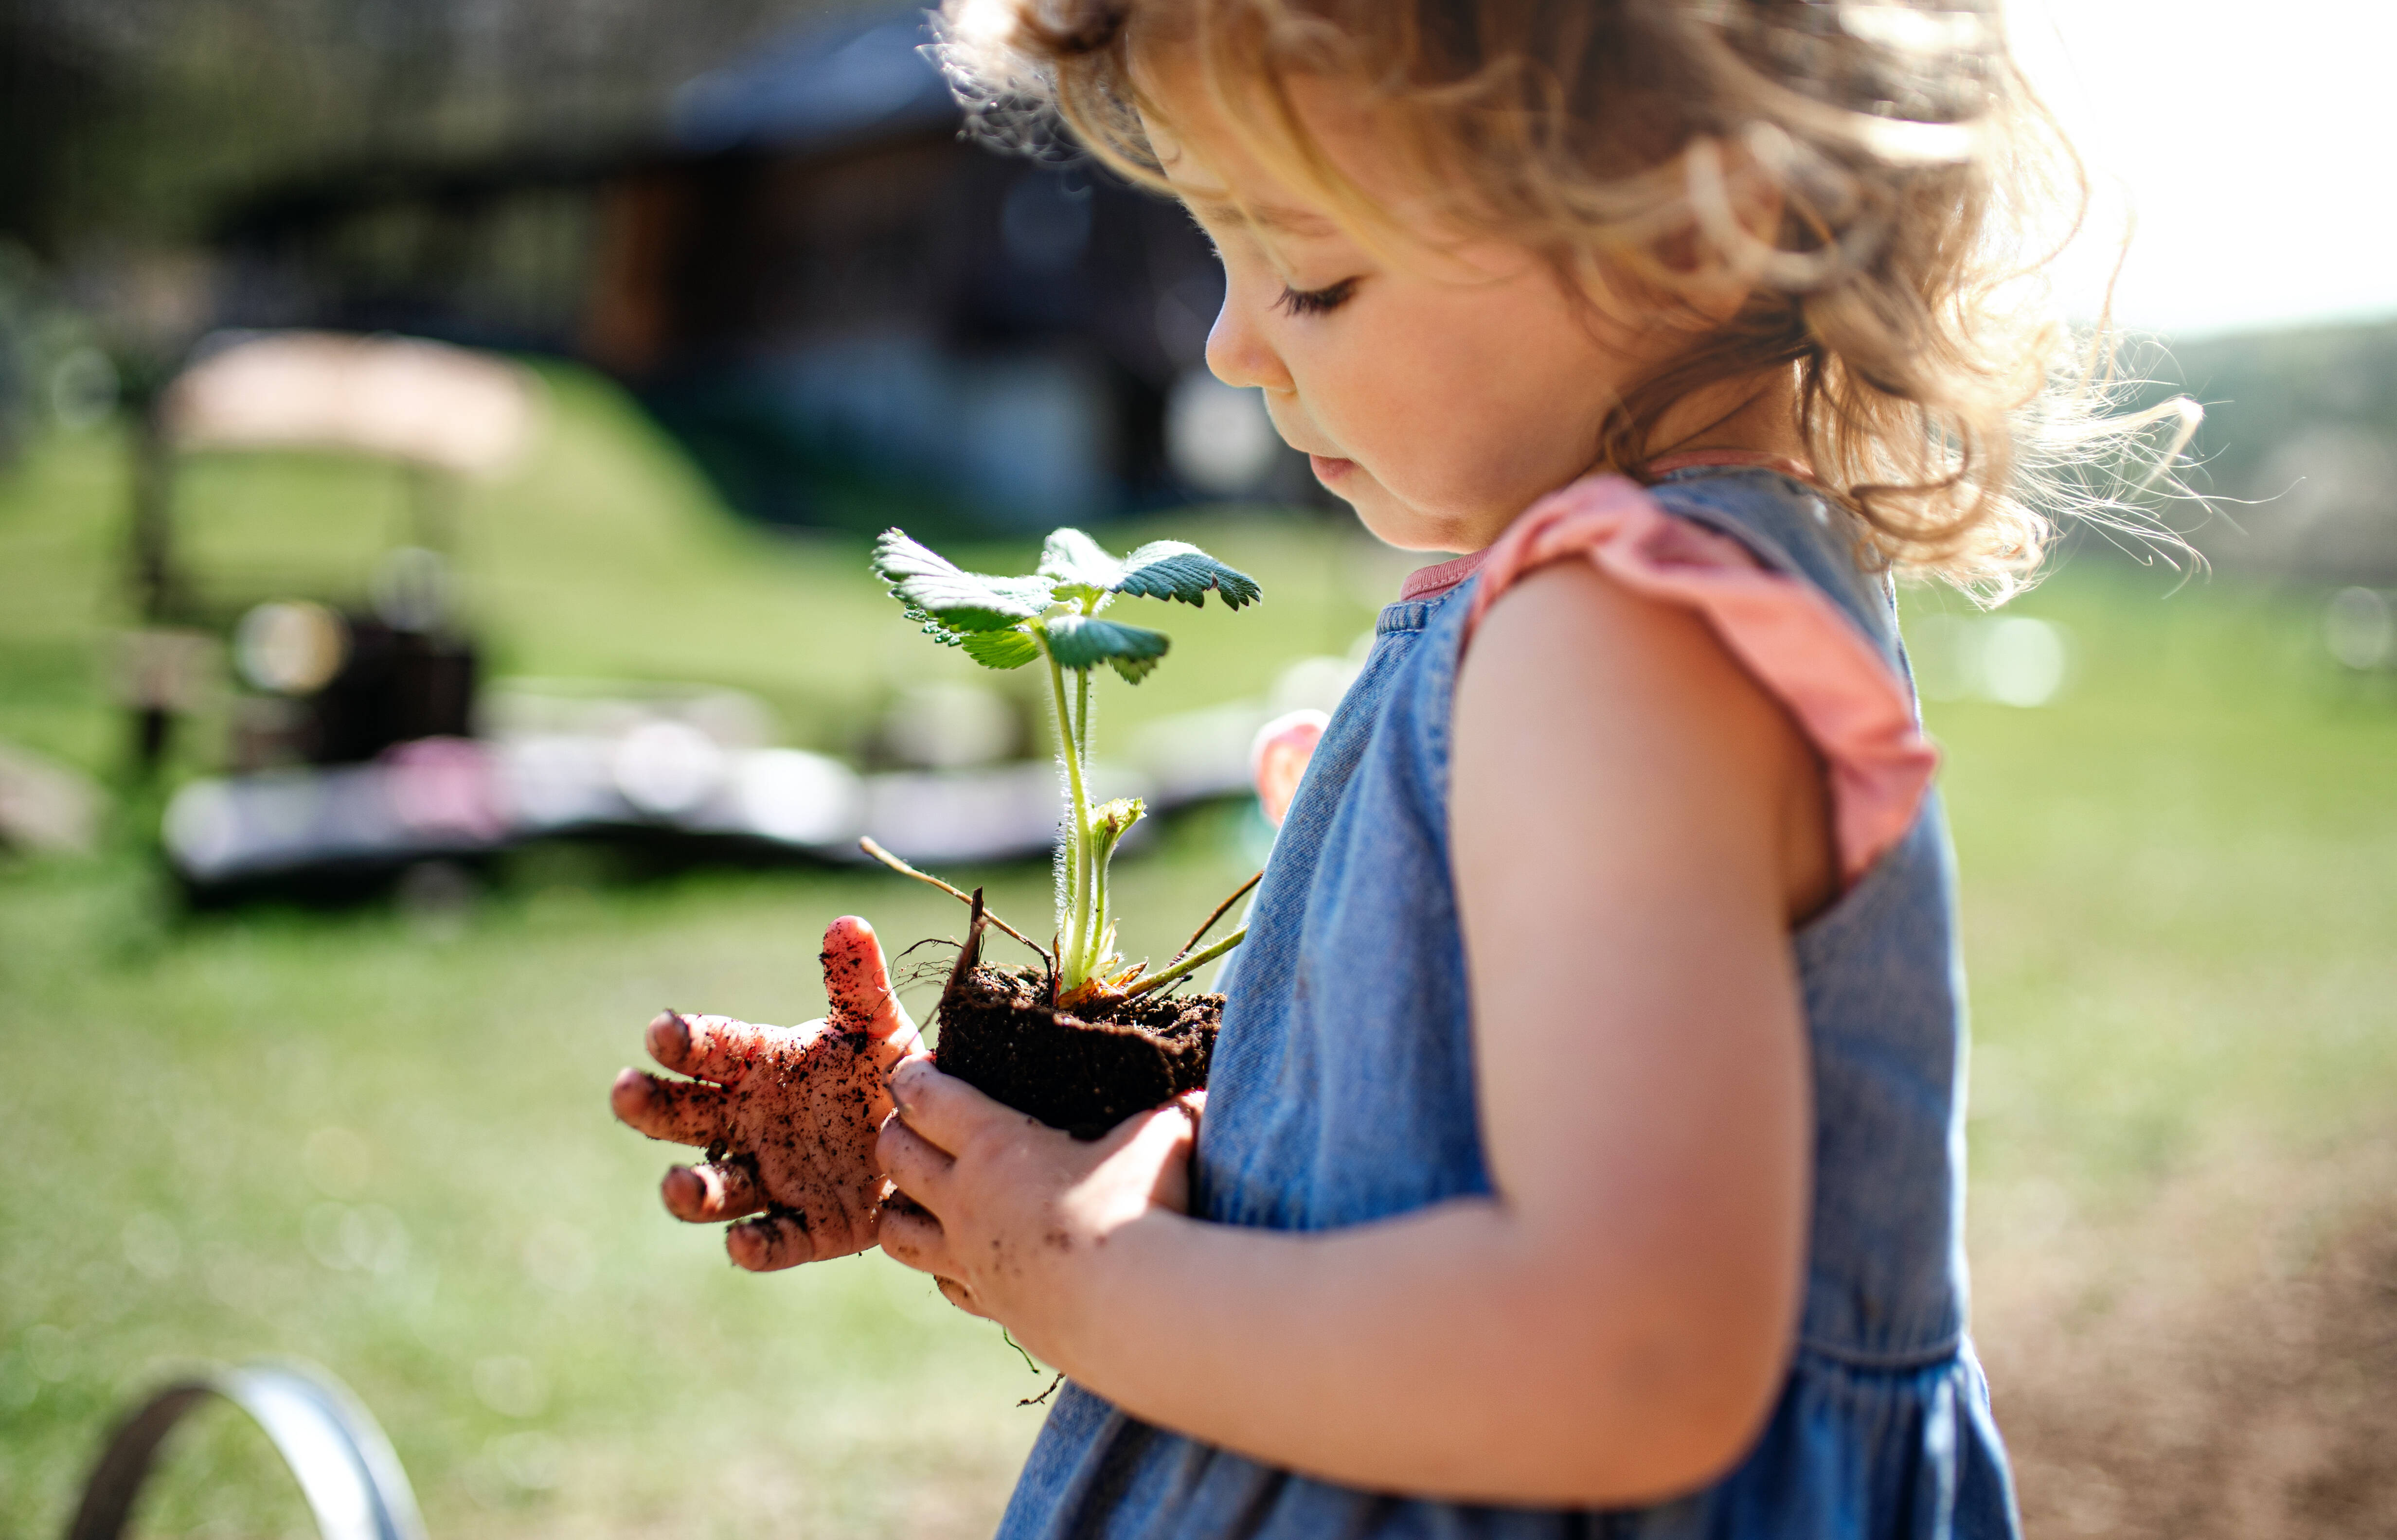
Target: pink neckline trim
column 1427, row 582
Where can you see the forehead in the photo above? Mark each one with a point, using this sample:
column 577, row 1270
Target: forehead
column 1280, row 218
column 1218, row 173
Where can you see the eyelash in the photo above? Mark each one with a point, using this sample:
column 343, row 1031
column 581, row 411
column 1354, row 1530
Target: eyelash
column 1315, row 301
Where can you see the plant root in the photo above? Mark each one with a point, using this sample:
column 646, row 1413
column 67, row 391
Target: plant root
column 1221, row 909
column 878, row 854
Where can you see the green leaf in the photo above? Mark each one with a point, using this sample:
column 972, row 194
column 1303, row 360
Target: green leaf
column 1072, row 560
column 1010, row 649
column 931, row 585
column 1161, row 569
column 1175, row 569
column 1085, row 641
column 897, row 557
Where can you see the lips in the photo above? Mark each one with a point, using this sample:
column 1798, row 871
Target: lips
column 1330, row 468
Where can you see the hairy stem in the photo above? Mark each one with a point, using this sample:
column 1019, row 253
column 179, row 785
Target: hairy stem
column 1074, row 962
column 1098, row 920
column 1189, row 964
column 1094, row 860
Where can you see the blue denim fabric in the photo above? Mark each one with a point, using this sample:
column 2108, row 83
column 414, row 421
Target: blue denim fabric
column 1342, row 1091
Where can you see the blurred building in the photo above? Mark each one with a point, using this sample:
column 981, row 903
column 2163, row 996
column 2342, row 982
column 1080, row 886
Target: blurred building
column 850, row 313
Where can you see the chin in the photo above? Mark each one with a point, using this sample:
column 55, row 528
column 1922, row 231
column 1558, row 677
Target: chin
column 1396, row 525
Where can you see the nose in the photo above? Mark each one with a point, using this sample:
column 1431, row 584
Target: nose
column 1237, row 350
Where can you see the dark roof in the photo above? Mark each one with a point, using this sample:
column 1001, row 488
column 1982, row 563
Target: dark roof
column 820, row 86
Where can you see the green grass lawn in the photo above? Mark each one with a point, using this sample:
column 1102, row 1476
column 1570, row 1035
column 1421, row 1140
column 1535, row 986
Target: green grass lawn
column 383, row 1144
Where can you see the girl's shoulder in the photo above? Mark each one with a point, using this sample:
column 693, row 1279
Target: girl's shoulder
column 1775, row 569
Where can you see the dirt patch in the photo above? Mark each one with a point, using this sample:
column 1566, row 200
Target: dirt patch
column 999, row 1035
column 2222, row 1362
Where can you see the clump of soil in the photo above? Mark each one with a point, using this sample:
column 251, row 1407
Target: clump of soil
column 999, row 1035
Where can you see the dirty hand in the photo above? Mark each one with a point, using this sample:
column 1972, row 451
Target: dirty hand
column 1003, row 1210
column 787, row 1115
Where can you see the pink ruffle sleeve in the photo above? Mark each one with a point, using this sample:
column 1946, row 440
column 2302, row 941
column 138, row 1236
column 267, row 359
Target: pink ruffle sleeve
column 1798, row 644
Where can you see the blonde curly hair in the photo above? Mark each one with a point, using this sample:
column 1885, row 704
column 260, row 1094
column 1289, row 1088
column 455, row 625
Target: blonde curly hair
column 1915, row 173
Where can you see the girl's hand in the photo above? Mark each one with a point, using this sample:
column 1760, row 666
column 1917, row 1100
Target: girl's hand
column 1007, row 1213
column 786, row 1114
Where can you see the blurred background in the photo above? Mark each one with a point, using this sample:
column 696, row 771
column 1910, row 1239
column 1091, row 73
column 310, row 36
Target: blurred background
column 439, row 441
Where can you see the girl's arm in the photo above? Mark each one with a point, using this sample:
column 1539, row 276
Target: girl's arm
column 1636, row 826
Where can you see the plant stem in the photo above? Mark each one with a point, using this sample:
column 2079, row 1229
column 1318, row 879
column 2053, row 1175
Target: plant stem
column 1189, row 964
column 1074, row 962
column 1094, row 909
column 1098, row 920
column 878, row 854
column 1238, row 893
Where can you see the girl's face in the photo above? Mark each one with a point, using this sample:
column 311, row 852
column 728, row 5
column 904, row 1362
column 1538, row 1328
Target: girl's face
column 1440, row 395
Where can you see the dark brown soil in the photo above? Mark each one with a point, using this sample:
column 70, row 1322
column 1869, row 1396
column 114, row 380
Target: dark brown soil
column 1000, row 1036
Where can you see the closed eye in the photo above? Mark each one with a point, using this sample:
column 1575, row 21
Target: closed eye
column 1316, row 302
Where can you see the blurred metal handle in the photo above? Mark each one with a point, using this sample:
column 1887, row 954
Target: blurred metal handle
column 345, row 1467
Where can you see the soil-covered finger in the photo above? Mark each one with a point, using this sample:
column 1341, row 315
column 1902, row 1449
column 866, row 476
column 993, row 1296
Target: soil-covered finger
column 682, row 1112
column 915, row 1165
column 959, row 1296
column 709, row 1047
column 857, row 983
column 719, row 1190
column 770, row 1244
column 912, row 1236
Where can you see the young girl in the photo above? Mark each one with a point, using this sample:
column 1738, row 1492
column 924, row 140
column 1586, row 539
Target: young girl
column 1585, row 1132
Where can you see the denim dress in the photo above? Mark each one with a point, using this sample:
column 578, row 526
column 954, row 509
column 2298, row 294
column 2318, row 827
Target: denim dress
column 1343, row 1093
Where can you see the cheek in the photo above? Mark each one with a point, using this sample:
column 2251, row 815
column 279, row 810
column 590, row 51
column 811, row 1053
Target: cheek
column 1463, row 414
